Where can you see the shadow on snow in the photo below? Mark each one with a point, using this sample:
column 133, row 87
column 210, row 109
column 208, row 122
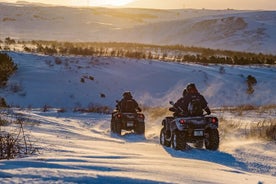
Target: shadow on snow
column 209, row 156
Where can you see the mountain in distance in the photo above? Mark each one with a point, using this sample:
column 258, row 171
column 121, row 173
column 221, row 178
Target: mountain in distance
column 250, row 31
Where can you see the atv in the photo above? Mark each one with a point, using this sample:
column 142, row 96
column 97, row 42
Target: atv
column 199, row 130
column 127, row 121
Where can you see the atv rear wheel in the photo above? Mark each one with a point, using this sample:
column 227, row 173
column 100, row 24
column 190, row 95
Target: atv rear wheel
column 178, row 141
column 212, row 139
column 118, row 128
column 163, row 140
column 140, row 128
column 112, row 126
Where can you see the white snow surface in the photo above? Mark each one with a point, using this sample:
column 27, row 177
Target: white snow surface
column 250, row 31
column 79, row 147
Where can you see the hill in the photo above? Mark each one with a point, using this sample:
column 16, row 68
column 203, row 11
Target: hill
column 82, row 81
column 251, row 31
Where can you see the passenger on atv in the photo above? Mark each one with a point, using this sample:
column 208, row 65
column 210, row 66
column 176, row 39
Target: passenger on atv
column 128, row 104
column 192, row 103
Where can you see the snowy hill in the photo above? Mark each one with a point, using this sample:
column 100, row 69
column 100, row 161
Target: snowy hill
column 69, row 82
column 251, row 31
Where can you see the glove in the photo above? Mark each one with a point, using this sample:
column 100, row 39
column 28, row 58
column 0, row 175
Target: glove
column 208, row 110
column 139, row 109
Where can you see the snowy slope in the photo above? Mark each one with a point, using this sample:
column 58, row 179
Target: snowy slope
column 56, row 81
column 251, row 31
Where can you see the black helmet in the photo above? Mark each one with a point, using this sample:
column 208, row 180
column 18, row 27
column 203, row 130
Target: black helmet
column 127, row 94
column 184, row 93
column 191, row 87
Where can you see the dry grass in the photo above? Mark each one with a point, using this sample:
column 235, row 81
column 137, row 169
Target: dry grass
column 244, row 109
column 14, row 142
column 265, row 129
column 156, row 112
column 262, row 125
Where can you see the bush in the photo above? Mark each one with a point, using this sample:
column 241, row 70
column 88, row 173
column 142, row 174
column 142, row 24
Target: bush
column 7, row 68
column 14, row 145
column 3, row 102
column 251, row 81
column 92, row 108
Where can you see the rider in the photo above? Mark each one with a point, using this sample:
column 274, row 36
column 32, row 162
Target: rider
column 178, row 108
column 193, row 97
column 128, row 104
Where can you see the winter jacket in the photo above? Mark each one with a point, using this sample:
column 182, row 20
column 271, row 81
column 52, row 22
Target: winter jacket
column 183, row 103
column 128, row 105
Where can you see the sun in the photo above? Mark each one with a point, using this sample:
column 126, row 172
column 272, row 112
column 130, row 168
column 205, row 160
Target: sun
column 108, row 2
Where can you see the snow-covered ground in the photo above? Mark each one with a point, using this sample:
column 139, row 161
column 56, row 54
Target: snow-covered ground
column 251, row 31
column 79, row 147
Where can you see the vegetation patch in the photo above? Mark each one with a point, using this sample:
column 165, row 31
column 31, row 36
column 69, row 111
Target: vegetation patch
column 14, row 142
column 92, row 108
column 7, row 68
column 168, row 53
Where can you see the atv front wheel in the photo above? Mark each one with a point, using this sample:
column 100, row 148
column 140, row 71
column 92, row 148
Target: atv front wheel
column 163, row 140
column 140, row 128
column 212, row 139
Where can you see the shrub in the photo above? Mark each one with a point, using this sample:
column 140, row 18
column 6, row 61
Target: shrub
column 9, row 41
column 251, row 81
column 3, row 102
column 95, row 109
column 7, row 68
column 14, row 145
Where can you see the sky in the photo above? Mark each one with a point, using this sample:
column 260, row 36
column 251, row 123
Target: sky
column 168, row 4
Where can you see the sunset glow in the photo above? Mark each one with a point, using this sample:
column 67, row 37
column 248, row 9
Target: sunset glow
column 109, row 2
column 166, row 4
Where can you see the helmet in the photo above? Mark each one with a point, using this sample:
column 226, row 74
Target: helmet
column 127, row 94
column 191, row 88
column 184, row 93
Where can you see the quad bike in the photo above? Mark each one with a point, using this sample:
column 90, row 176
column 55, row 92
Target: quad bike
column 199, row 130
column 127, row 121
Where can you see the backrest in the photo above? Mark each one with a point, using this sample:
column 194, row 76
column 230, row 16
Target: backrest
column 194, row 107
